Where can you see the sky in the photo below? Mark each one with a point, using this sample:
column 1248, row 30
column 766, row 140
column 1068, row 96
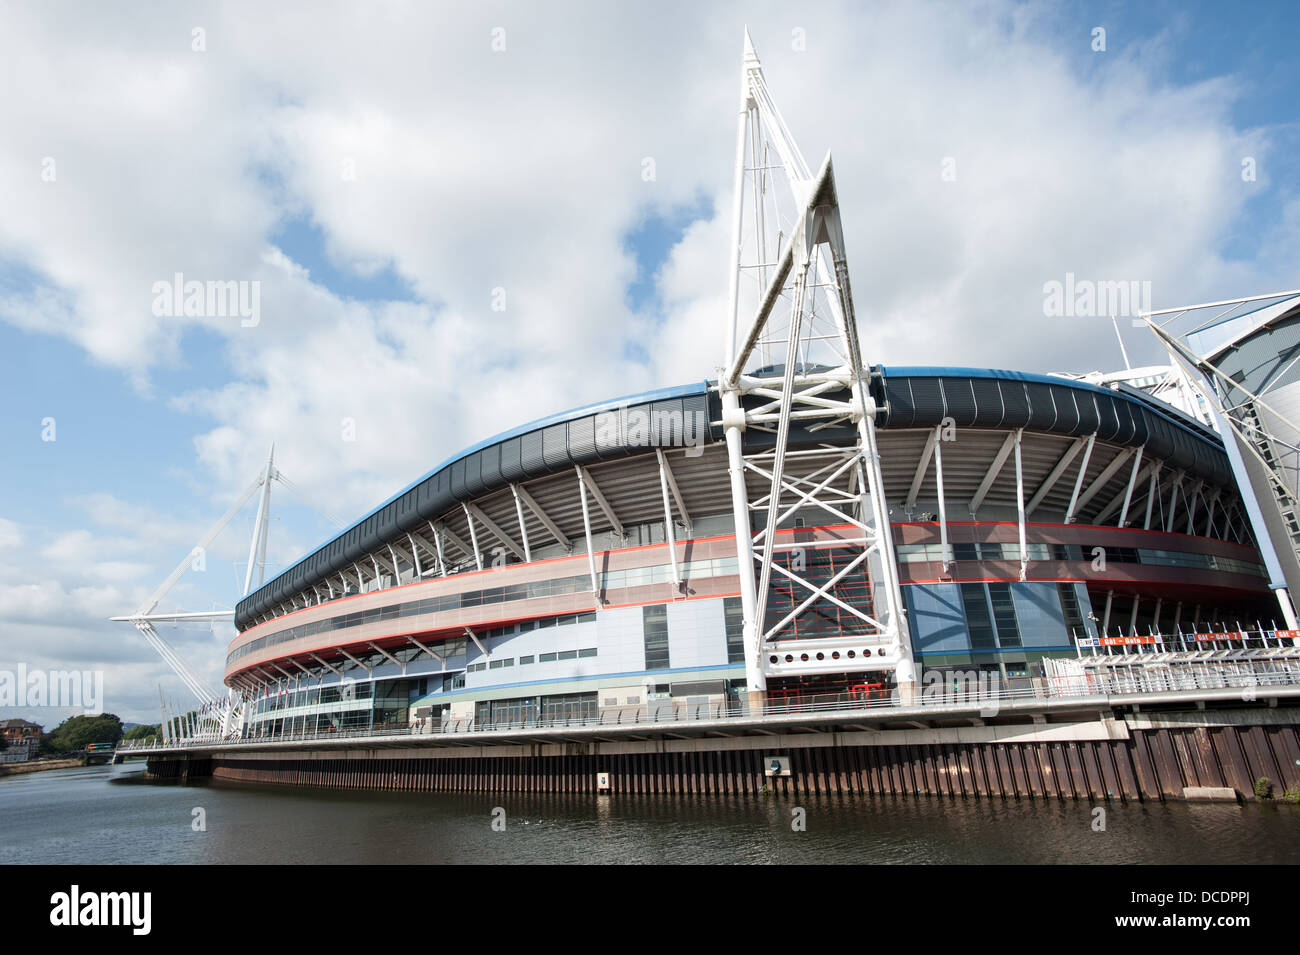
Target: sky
column 446, row 212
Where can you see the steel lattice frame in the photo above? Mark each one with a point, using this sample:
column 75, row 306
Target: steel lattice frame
column 1235, row 410
column 812, row 377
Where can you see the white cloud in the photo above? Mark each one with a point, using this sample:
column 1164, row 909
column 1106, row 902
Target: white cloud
column 522, row 170
column 10, row 534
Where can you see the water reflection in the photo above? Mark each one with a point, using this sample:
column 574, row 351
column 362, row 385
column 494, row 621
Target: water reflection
column 111, row 815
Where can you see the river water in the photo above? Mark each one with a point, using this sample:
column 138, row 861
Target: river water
column 109, row 814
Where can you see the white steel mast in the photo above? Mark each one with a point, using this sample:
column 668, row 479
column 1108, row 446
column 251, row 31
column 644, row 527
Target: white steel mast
column 790, row 312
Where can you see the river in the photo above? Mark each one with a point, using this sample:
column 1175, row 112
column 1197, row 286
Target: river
column 111, row 815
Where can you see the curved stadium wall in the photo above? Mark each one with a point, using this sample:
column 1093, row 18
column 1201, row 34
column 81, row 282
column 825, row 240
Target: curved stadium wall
column 474, row 593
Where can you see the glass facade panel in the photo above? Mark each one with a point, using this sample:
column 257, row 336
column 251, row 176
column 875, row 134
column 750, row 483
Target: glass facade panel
column 1004, row 615
column 733, row 617
column 975, row 604
column 654, row 625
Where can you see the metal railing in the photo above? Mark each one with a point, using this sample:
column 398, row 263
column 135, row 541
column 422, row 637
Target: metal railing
column 985, row 694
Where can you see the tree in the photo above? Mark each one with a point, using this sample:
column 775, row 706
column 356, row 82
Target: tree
column 141, row 732
column 77, row 731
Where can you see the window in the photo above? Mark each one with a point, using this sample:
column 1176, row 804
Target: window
column 1004, row 615
column 654, row 627
column 975, row 604
column 1071, row 611
column 546, row 658
column 734, row 622
column 591, row 652
column 524, row 661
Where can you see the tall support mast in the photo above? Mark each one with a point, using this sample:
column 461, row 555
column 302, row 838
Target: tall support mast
column 223, row 716
column 799, row 422
column 257, row 548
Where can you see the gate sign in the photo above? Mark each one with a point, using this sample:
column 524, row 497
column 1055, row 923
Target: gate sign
column 1126, row 641
column 1289, row 634
column 1207, row 637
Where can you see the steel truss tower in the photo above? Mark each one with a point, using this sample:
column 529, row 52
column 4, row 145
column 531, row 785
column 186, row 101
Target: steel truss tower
column 799, row 422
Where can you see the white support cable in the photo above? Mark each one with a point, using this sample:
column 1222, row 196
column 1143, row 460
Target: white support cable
column 1173, row 500
column 523, row 526
column 586, row 528
column 446, row 534
column 328, row 666
column 154, row 598
column 473, row 536
column 669, row 536
column 368, row 669
column 590, row 483
column 478, row 643
column 1078, row 481
column 1020, row 507
column 298, row 492
column 1191, row 509
column 945, row 549
column 382, row 652
column 442, row 557
column 990, row 475
column 1102, row 479
column 922, row 467
column 415, row 556
column 433, row 653
column 1054, row 475
column 495, row 530
column 551, row 527
column 1152, row 492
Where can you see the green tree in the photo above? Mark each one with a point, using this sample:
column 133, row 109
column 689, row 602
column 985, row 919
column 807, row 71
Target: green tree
column 76, row 731
column 141, row 732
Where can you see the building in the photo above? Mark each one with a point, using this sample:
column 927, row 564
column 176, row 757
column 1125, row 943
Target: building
column 809, row 526
column 22, row 740
column 588, row 561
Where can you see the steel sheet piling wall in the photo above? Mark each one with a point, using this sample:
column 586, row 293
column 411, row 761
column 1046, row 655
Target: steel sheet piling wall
column 1151, row 764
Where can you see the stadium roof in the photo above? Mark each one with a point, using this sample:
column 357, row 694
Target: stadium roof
column 908, row 397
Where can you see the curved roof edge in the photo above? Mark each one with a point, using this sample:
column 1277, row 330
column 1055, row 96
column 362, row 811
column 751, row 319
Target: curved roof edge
column 560, row 440
column 1174, row 415
column 560, row 417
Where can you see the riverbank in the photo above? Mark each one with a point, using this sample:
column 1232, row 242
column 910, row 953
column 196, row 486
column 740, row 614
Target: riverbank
column 18, row 769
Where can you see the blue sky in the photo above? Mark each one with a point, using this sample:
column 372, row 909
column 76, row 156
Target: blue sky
column 522, row 172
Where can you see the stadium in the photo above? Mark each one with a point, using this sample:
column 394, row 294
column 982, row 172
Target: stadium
column 805, row 529
column 589, row 560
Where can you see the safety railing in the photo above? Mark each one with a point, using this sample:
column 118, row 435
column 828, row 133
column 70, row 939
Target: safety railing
column 984, row 691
